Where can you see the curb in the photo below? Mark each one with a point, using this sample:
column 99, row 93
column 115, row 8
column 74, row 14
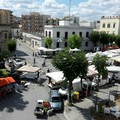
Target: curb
column 65, row 114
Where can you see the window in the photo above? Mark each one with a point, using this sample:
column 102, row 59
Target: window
column 86, row 44
column 80, row 33
column 87, row 34
column 108, row 25
column 5, row 36
column 66, row 35
column 46, row 33
column 103, row 25
column 57, row 45
column 114, row 25
column 49, row 34
column 73, row 33
column 58, row 34
column 65, row 44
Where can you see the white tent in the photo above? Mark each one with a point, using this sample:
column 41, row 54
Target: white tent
column 113, row 68
column 41, row 48
column 56, row 76
column 27, row 68
column 74, row 50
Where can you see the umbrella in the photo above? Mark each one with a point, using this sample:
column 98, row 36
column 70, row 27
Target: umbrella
column 6, row 81
column 3, row 82
column 10, row 79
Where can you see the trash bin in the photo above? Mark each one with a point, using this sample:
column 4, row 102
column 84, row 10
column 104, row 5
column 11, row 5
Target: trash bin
column 76, row 95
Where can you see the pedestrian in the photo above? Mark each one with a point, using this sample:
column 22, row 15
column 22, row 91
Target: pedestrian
column 48, row 70
column 34, row 61
column 25, row 63
column 33, row 53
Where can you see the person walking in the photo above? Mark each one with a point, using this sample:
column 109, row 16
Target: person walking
column 34, row 61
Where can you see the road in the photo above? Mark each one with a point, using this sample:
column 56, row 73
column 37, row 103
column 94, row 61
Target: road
column 20, row 106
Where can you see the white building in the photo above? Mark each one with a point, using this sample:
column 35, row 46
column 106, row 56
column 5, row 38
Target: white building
column 110, row 24
column 61, row 33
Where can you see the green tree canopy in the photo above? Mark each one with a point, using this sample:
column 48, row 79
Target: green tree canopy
column 118, row 40
column 111, row 38
column 75, row 41
column 11, row 45
column 100, row 65
column 72, row 65
column 4, row 55
column 104, row 38
column 94, row 37
column 48, row 41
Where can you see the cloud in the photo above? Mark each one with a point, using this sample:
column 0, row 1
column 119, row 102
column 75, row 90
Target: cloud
column 88, row 9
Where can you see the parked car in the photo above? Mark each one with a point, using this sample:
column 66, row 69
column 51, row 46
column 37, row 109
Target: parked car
column 18, row 63
column 42, row 107
column 55, row 100
column 63, row 91
column 39, row 109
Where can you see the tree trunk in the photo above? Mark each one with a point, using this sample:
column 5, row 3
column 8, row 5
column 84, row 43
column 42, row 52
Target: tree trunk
column 81, row 86
column 98, row 82
column 70, row 86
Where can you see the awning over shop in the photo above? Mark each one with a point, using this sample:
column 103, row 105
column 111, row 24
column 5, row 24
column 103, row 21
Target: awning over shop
column 27, row 68
column 113, row 68
column 6, row 81
column 56, row 76
column 117, row 58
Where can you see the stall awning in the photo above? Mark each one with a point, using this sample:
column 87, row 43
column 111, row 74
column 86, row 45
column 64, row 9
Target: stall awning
column 56, row 76
column 27, row 68
column 117, row 58
column 6, row 81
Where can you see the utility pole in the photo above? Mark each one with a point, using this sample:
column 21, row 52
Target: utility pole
column 69, row 10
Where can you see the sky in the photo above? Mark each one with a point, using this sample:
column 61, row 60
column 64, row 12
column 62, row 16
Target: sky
column 84, row 9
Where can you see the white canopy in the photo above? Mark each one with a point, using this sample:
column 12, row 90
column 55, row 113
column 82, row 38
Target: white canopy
column 75, row 49
column 56, row 76
column 41, row 48
column 59, row 76
column 48, row 50
column 113, row 68
column 117, row 58
column 27, row 68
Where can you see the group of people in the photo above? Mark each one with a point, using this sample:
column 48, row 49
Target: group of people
column 7, row 90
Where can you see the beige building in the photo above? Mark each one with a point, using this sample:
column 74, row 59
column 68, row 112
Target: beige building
column 6, row 17
column 34, row 23
column 4, row 35
column 110, row 24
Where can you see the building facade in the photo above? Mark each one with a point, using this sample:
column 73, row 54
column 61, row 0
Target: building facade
column 61, row 33
column 34, row 23
column 6, row 17
column 6, row 20
column 110, row 25
column 5, row 31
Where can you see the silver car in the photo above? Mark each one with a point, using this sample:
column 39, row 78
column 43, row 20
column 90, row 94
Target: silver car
column 55, row 100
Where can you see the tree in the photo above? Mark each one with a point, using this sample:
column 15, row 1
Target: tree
column 11, row 45
column 72, row 65
column 4, row 55
column 104, row 38
column 117, row 41
column 111, row 38
column 75, row 41
column 48, row 41
column 95, row 37
column 100, row 65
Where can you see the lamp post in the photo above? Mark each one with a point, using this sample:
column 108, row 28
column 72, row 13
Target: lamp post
column 59, row 41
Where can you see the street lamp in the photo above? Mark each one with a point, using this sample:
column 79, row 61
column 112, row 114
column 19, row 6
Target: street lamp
column 59, row 41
